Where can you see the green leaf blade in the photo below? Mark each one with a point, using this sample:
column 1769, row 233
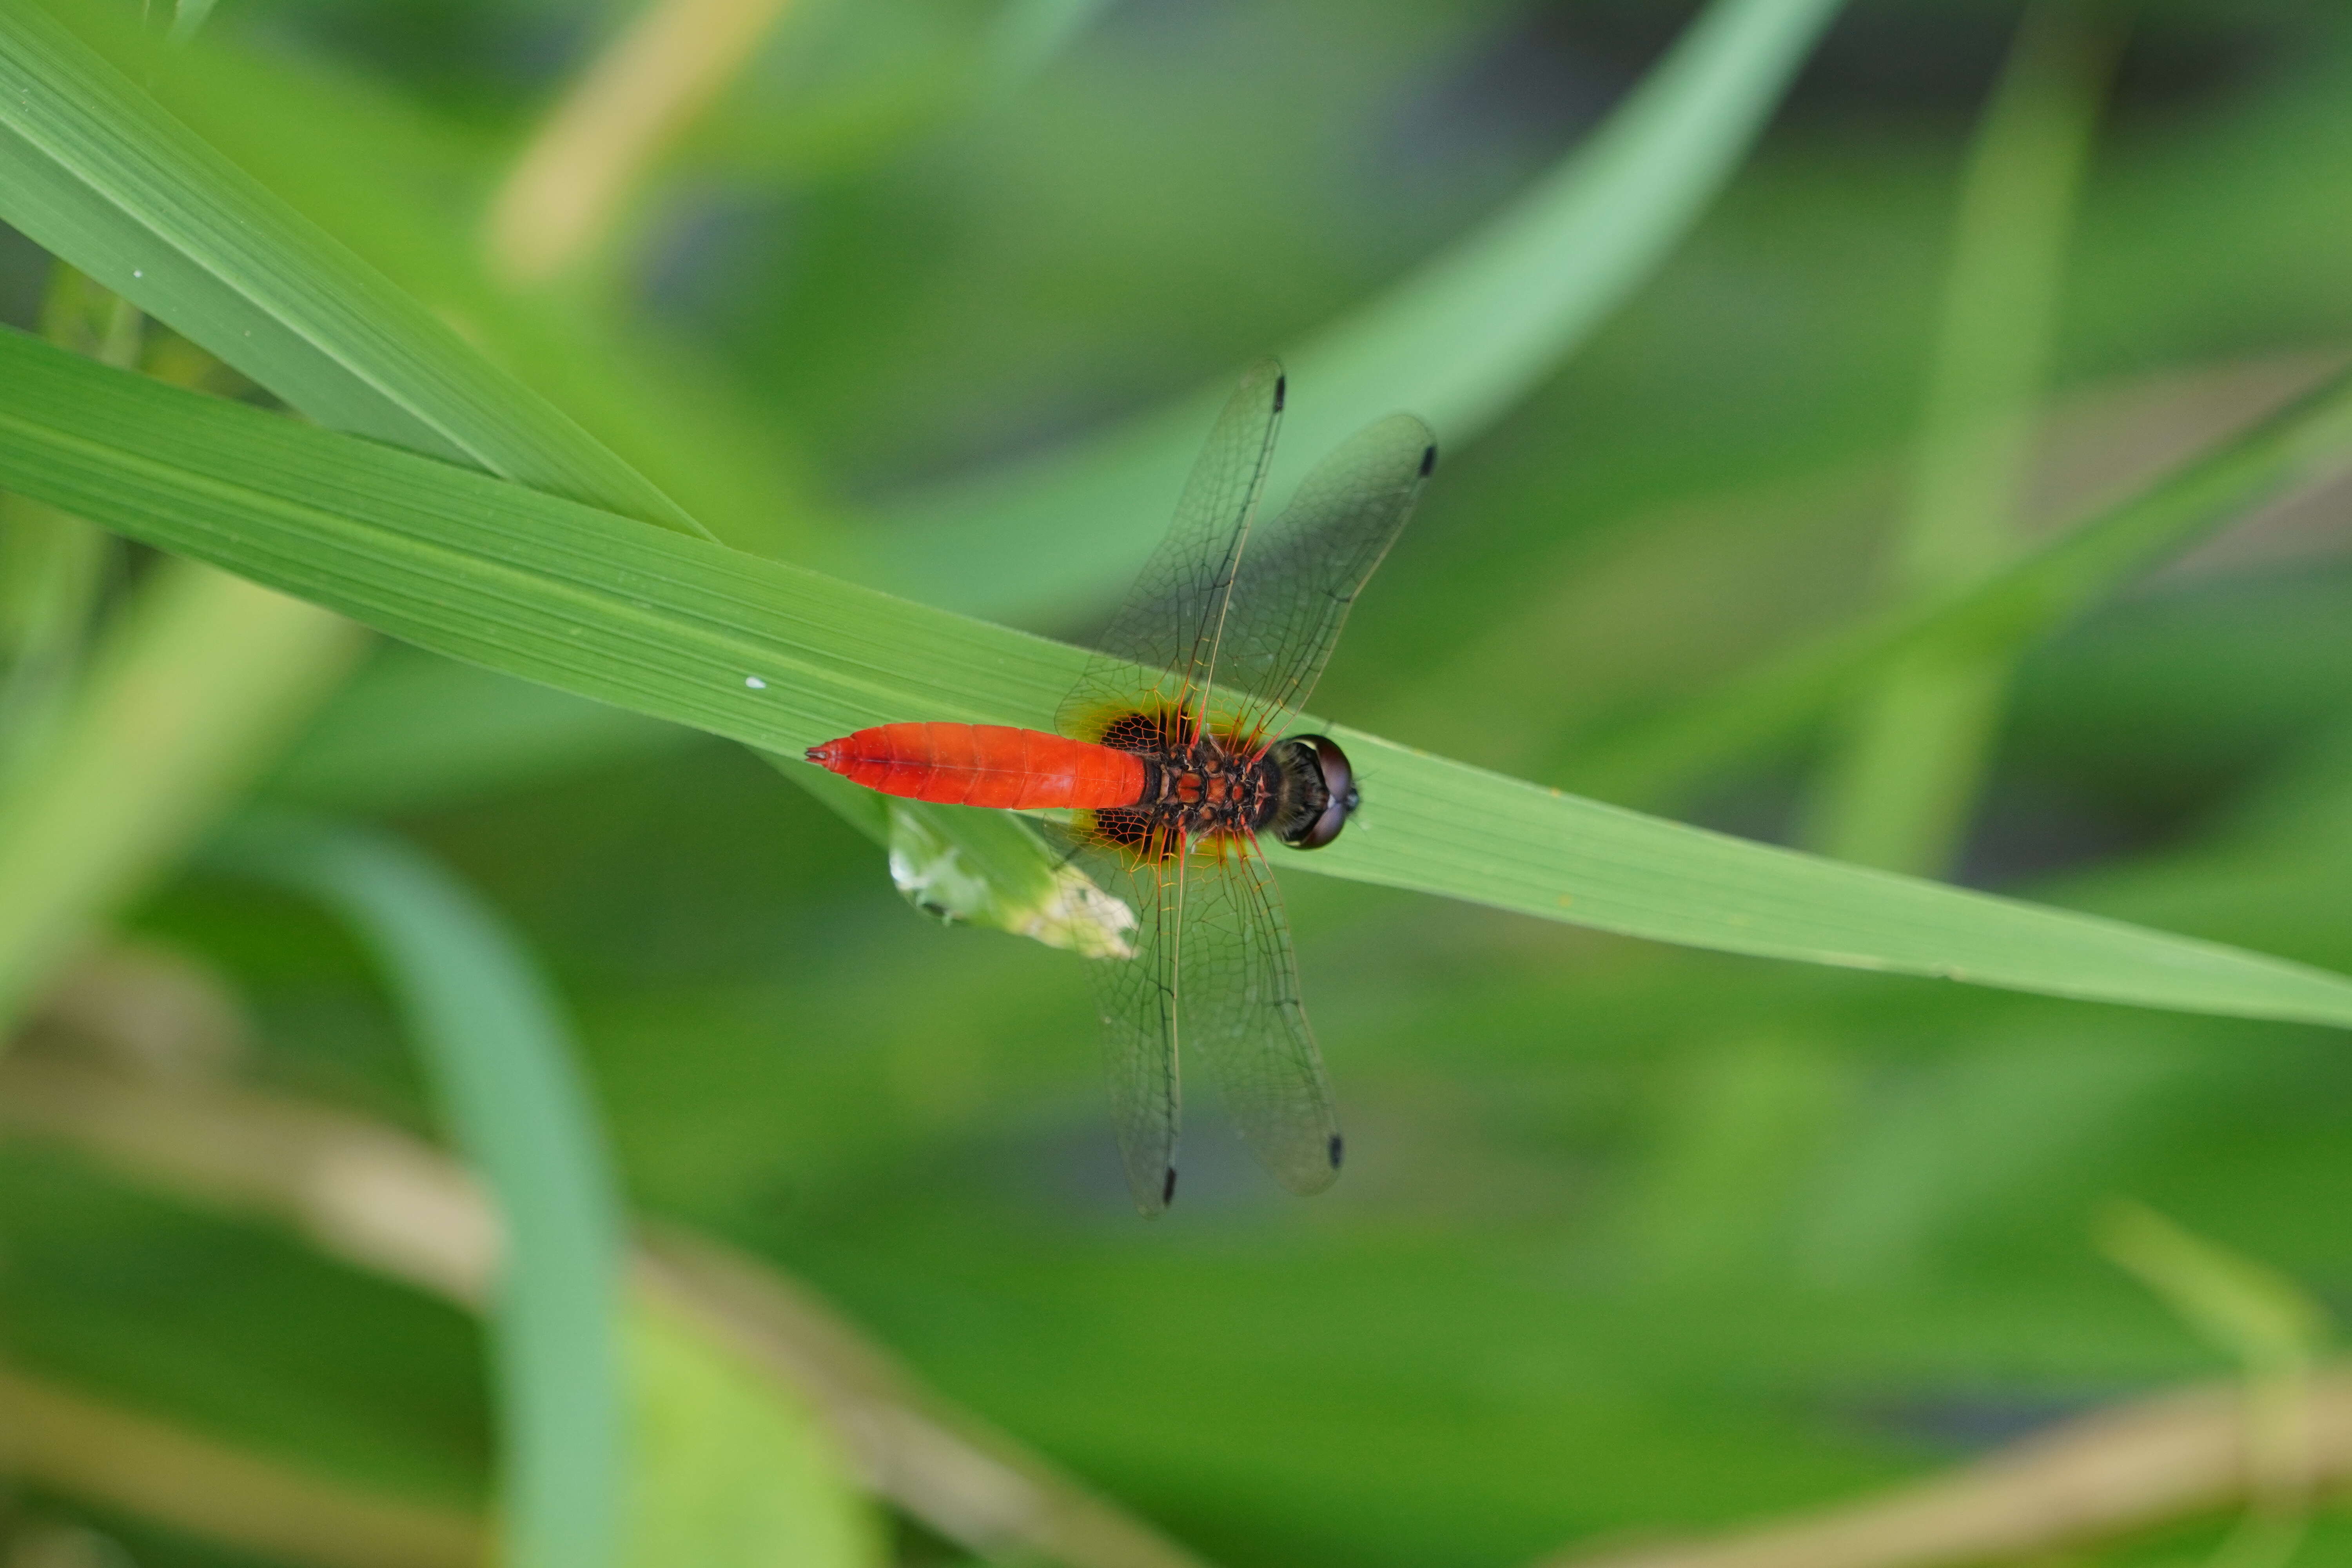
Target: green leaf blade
column 498, row 1051
column 1458, row 342
column 94, row 171
column 632, row 614
column 734, row 1471
column 1436, row 825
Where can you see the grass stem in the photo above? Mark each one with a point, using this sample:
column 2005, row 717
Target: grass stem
column 1898, row 788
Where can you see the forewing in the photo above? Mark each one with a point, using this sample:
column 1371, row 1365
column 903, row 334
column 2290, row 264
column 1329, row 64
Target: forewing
column 1302, row 571
column 1137, row 997
column 1169, row 623
column 1237, row 1003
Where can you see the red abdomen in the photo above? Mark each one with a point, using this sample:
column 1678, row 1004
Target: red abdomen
column 983, row 764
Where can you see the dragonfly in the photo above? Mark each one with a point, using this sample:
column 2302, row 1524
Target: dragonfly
column 1171, row 765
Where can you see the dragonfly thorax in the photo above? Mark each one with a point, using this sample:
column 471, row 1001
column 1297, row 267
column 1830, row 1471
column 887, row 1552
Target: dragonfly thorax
column 1199, row 787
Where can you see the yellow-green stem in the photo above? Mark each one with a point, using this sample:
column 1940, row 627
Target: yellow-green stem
column 198, row 677
column 53, row 565
column 1901, row 784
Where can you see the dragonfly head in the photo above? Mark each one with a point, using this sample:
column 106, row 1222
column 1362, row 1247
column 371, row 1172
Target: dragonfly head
column 1319, row 757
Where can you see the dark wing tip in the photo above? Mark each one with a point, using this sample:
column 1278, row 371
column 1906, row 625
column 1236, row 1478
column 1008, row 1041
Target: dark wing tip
column 1428, row 459
column 1168, row 1187
column 1281, row 391
column 1338, row 1147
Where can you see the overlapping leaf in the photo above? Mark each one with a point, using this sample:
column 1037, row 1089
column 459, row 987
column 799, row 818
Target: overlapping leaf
column 782, row 657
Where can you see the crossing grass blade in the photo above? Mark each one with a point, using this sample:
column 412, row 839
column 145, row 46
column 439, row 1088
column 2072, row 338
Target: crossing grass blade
column 782, row 657
column 1993, row 618
column 159, row 739
column 730, row 1471
column 1899, row 787
column 1459, row 340
column 711, row 1455
column 494, row 1045
column 94, row 171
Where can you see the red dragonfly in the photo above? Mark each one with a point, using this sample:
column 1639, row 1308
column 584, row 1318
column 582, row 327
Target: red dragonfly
column 1174, row 762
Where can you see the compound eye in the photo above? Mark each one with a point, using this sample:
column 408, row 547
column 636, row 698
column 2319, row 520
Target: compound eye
column 1339, row 786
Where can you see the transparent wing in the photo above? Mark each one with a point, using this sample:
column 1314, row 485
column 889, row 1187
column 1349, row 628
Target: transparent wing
column 1302, row 571
column 1137, row 997
column 1237, row 1003
column 1212, row 968
column 1169, row 624
column 1213, row 960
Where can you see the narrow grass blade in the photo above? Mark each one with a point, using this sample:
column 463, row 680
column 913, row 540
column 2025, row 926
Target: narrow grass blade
column 53, row 573
column 1025, row 37
column 2301, row 445
column 2250, row 1311
column 53, row 567
column 1439, row 826
column 188, row 16
column 671, row 419
column 782, row 657
column 561, row 203
column 126, row 1461
column 1458, row 342
column 93, row 171
column 733, row 1473
column 495, row 1046
column 1898, row 790
column 2277, row 1332
column 198, row 677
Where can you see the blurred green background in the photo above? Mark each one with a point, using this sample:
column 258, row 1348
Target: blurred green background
column 1631, row 1239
